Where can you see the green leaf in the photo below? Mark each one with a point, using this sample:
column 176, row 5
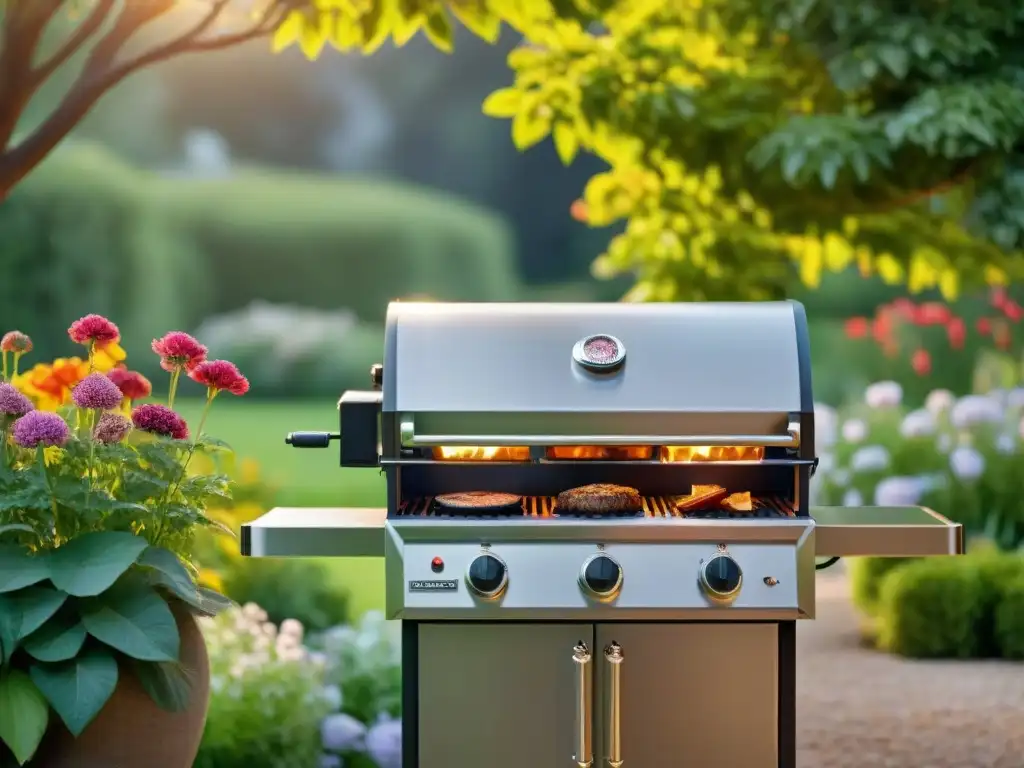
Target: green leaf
column 566, row 143
column 133, row 618
column 165, row 569
column 78, row 689
column 504, row 102
column 15, row 527
column 895, row 59
column 477, row 18
column 23, row 612
column 59, row 639
column 213, row 602
column 528, row 128
column 793, row 164
column 213, row 445
column 439, row 29
column 90, row 564
column 24, row 715
column 168, row 684
column 830, row 169
column 20, row 568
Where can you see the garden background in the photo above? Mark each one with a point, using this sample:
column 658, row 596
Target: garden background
column 274, row 205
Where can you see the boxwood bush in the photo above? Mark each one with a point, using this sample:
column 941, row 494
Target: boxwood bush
column 1009, row 619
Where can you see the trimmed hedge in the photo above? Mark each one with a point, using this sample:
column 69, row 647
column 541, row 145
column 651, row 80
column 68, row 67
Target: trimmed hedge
column 866, row 575
column 1009, row 620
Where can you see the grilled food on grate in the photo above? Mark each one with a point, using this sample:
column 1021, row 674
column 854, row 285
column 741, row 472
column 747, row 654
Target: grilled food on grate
column 739, row 502
column 702, row 497
column 478, row 501
column 600, row 498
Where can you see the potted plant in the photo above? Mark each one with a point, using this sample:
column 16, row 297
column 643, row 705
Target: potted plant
column 101, row 660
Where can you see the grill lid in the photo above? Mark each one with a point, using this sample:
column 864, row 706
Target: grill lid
column 734, row 368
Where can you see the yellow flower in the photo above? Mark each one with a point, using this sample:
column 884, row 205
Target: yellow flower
column 107, row 358
column 49, row 385
column 210, row 579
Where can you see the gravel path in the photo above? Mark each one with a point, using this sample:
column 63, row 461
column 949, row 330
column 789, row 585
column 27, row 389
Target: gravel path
column 858, row 708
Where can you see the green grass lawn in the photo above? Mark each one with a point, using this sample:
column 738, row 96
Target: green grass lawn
column 304, row 477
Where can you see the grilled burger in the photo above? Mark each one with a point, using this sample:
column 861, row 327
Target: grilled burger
column 600, row 498
column 477, row 500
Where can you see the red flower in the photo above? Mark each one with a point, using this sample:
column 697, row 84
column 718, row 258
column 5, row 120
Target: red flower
column 984, row 326
column 998, row 298
column 921, row 362
column 1013, row 311
column 903, row 308
column 178, row 350
column 132, row 384
column 16, row 341
column 220, row 375
column 932, row 313
column 881, row 328
column 1001, row 335
column 579, row 210
column 856, row 327
column 956, row 330
column 94, row 329
column 160, row 420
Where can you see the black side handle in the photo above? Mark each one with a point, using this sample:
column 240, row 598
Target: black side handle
column 311, row 439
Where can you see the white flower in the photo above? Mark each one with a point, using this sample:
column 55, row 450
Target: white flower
column 854, row 430
column 384, row 743
column 841, row 477
column 852, row 498
column 919, row 423
column 884, row 394
column 826, row 463
column 966, row 463
column 975, row 409
column 1006, row 443
column 292, row 628
column 295, row 653
column 329, row 761
column 939, row 400
column 944, row 443
column 899, row 492
column 333, row 697
column 1015, row 398
column 870, row 458
column 342, row 733
column 826, row 422
column 254, row 612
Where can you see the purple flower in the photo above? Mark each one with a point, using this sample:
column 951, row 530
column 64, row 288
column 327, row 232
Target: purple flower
column 111, row 428
column 12, row 402
column 160, row 420
column 384, row 743
column 342, row 733
column 38, row 428
column 96, row 391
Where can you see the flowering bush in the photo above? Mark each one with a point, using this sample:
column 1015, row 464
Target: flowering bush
column 267, row 696
column 98, row 512
column 365, row 680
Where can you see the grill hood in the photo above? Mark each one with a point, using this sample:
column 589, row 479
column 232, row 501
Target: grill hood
column 457, row 373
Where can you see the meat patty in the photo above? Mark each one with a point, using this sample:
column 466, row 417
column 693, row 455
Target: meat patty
column 478, row 500
column 600, row 498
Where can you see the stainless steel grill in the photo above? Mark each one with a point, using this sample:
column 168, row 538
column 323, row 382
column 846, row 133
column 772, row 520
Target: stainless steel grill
column 536, row 636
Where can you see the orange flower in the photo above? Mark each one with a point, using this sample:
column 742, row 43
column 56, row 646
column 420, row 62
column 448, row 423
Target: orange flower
column 49, row 384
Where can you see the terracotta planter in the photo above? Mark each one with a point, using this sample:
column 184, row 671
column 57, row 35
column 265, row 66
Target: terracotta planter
column 133, row 732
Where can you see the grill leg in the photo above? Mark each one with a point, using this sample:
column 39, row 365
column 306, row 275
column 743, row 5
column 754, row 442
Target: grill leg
column 411, row 695
column 787, row 694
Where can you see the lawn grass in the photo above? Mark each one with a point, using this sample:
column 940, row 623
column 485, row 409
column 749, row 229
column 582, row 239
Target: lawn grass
column 256, row 430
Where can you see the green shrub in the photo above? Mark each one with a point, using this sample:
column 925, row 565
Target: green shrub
column 329, row 244
column 287, row 589
column 932, row 608
column 1009, row 620
column 995, row 570
column 866, row 575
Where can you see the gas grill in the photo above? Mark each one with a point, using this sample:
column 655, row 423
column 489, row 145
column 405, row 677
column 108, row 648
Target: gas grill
column 536, row 636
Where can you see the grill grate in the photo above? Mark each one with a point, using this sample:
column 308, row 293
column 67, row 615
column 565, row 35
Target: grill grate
column 654, row 506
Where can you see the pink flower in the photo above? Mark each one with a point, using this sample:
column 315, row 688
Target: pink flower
column 178, row 350
column 220, row 375
column 111, row 428
column 160, row 420
column 12, row 402
column 96, row 391
column 94, row 329
column 40, row 428
column 16, row 341
column 132, row 384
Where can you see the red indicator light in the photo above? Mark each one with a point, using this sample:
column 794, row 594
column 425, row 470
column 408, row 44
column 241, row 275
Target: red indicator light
column 437, row 565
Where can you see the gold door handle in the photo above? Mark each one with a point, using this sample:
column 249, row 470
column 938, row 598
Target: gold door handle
column 613, row 658
column 583, row 756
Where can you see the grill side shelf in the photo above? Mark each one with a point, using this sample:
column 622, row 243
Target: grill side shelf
column 316, row 532
column 884, row 532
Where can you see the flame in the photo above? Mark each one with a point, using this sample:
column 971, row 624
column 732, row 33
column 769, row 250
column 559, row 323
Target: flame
column 482, row 453
column 596, row 453
column 696, row 453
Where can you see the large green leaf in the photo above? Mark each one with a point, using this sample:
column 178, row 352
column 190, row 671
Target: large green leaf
column 133, row 618
column 59, row 639
column 19, row 568
column 23, row 715
column 165, row 569
column 90, row 564
column 78, row 689
column 23, row 612
column 168, row 684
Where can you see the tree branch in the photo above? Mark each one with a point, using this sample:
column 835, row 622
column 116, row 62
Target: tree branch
column 75, row 41
column 23, row 28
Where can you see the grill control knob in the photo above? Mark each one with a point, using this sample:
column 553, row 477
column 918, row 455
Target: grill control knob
column 601, row 577
column 721, row 577
column 487, row 576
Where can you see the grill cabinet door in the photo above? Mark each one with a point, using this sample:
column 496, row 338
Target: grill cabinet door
column 499, row 695
column 690, row 695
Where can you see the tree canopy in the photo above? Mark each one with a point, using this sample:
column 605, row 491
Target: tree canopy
column 749, row 143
